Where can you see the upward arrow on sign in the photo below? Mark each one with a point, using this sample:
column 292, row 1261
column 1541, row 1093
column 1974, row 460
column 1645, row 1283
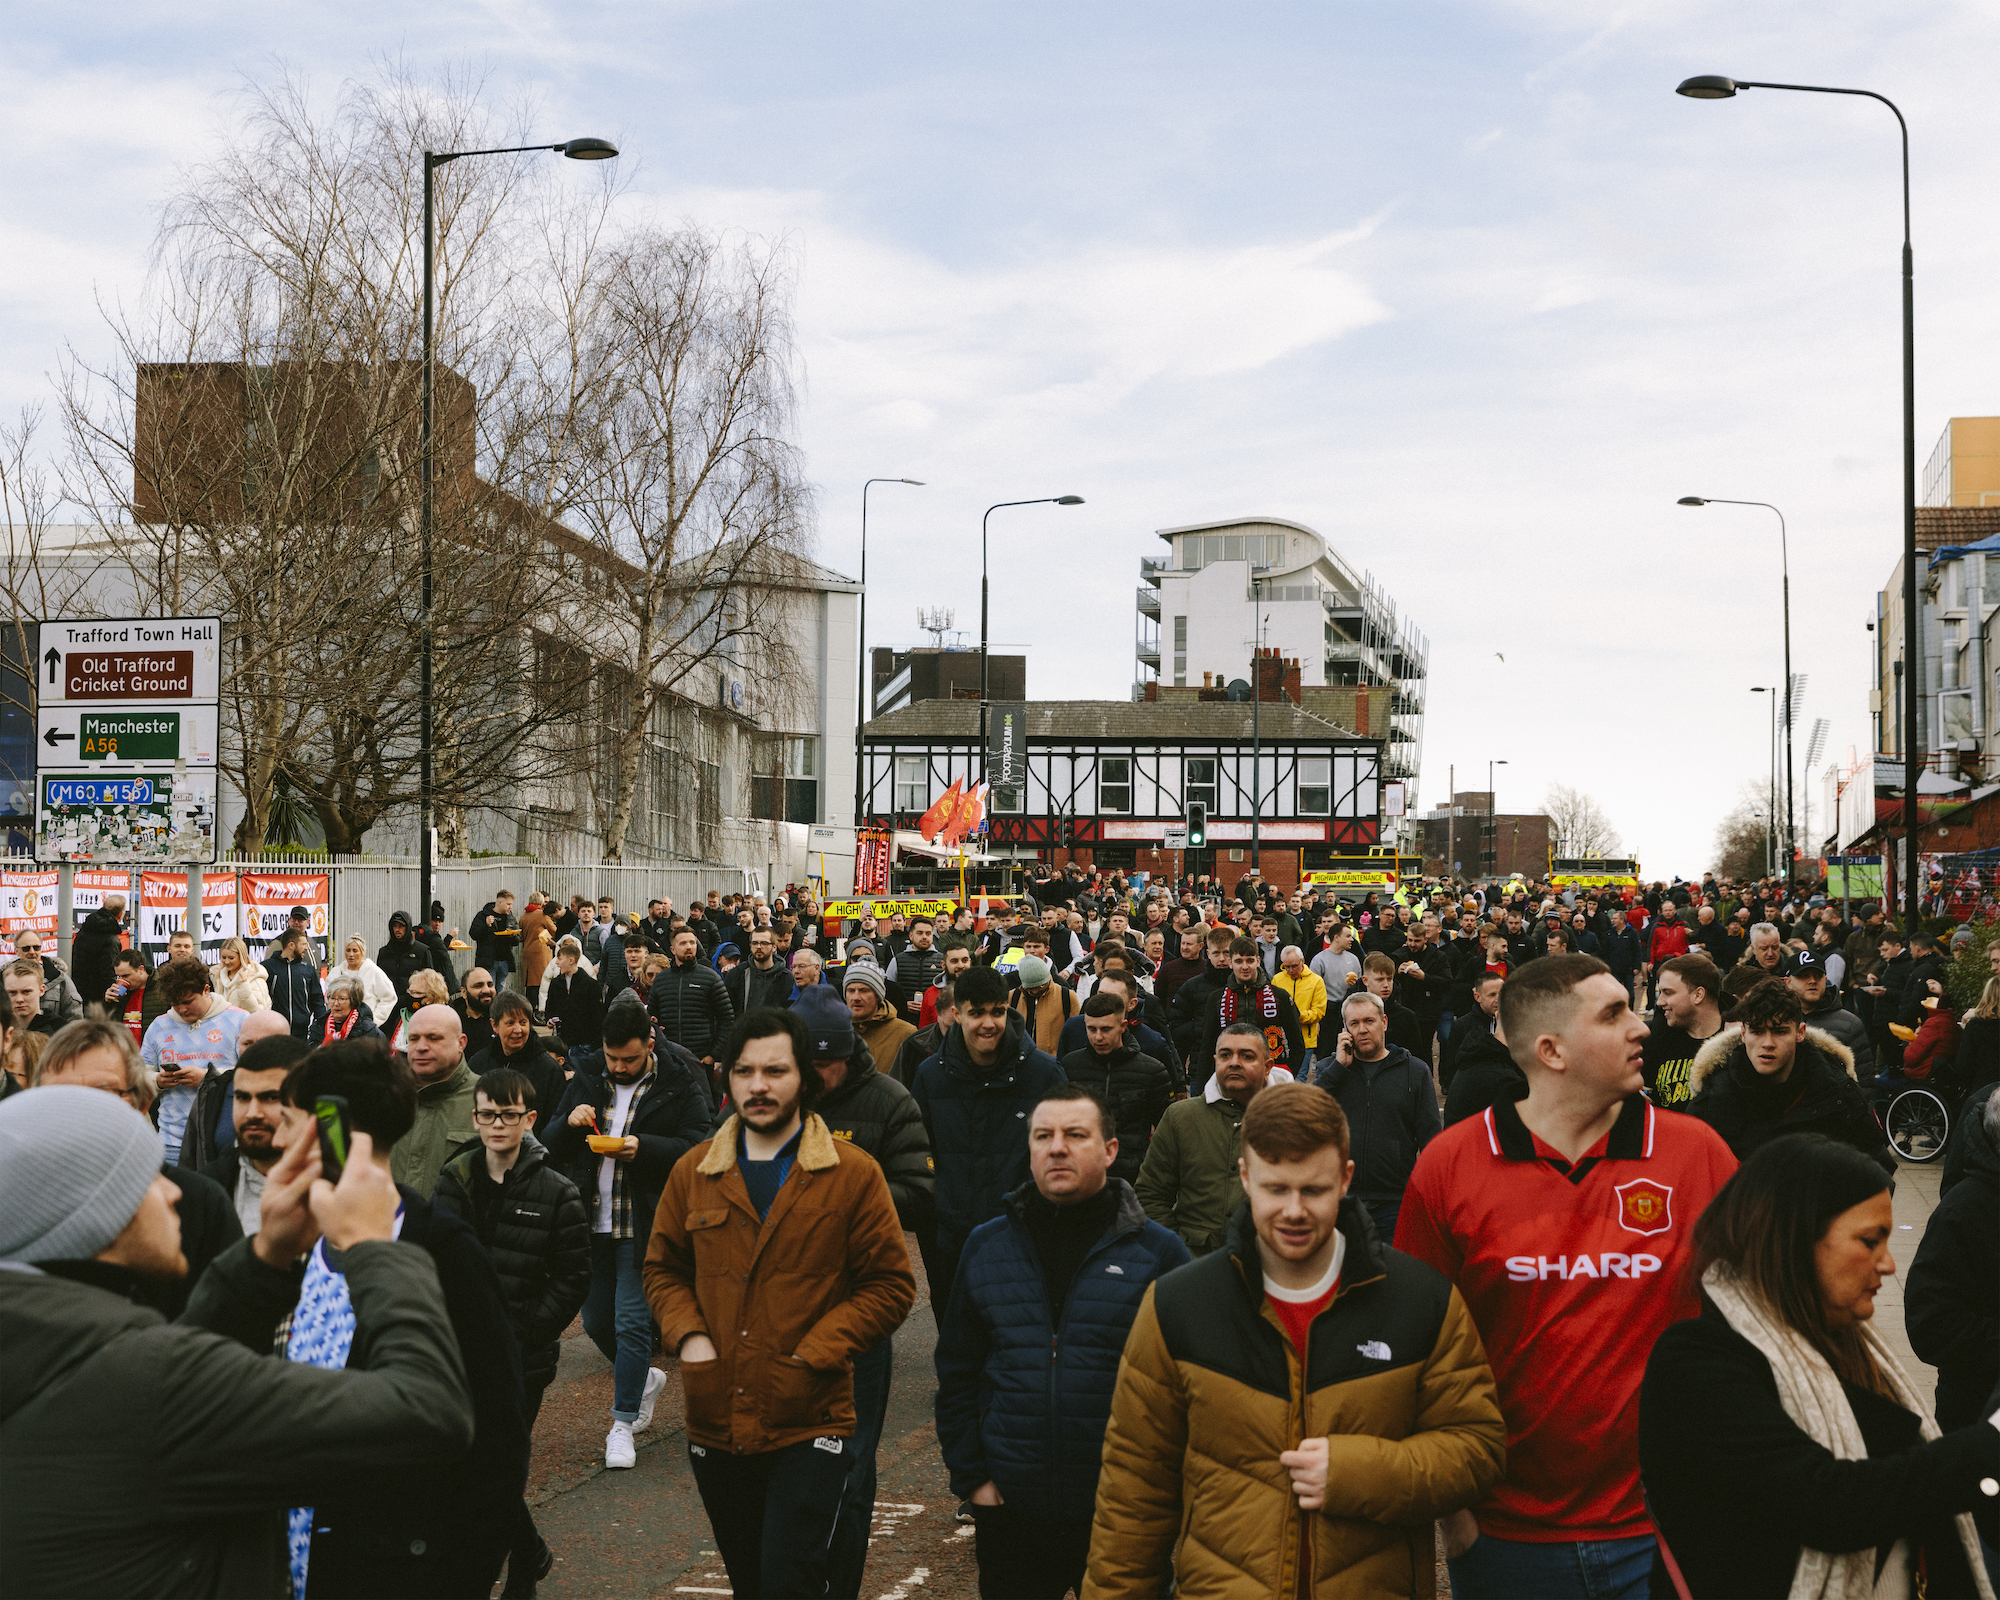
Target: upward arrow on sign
column 54, row 659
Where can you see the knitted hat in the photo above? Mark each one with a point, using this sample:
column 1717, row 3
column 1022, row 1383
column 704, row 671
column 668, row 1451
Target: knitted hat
column 1034, row 972
column 74, row 1165
column 862, row 951
column 866, row 972
column 828, row 1020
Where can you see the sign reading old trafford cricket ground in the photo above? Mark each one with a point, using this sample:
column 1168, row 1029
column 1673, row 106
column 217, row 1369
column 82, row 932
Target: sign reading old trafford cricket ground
column 126, row 739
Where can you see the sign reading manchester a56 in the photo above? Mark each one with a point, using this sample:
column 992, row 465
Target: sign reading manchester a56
column 157, row 815
column 129, row 660
column 126, row 737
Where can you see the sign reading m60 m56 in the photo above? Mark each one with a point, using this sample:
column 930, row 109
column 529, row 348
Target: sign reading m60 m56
column 130, row 660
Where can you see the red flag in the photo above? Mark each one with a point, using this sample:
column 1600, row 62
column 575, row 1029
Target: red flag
column 935, row 820
column 965, row 819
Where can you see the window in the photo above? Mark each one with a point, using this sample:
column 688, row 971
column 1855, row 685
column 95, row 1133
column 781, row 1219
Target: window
column 1199, row 785
column 1315, row 786
column 913, row 784
column 1180, row 650
column 785, row 785
column 1114, row 784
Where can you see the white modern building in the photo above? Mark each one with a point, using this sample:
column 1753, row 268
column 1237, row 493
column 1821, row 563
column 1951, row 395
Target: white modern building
column 1229, row 586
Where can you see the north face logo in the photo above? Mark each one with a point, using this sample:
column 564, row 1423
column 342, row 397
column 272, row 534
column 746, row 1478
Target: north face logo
column 1374, row 1350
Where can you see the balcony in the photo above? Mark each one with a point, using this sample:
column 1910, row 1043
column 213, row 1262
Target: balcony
column 1149, row 653
column 1149, row 603
column 1150, row 568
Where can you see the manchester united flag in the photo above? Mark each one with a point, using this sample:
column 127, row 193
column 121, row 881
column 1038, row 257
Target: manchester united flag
column 934, row 821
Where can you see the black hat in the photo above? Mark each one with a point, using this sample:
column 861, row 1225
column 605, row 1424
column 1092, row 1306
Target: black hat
column 827, row 1020
column 1804, row 964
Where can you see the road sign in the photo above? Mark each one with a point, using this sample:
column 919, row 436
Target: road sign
column 127, row 737
column 129, row 661
column 1174, row 837
column 155, row 815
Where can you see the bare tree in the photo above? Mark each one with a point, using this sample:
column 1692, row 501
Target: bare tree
column 44, row 574
column 1743, row 838
column 251, row 450
column 1578, row 824
column 686, row 485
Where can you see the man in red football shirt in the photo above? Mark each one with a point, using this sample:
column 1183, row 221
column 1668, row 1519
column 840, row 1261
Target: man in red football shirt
column 1565, row 1219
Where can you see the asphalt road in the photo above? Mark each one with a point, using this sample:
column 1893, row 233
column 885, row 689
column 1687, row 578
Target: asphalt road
column 641, row 1532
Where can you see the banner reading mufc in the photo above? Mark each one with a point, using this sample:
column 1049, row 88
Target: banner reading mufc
column 163, row 912
column 268, row 899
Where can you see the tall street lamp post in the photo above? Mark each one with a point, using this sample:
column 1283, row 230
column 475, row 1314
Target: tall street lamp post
column 1493, row 812
column 1785, row 563
column 984, row 591
column 576, row 150
column 861, row 706
column 1771, row 780
column 1719, row 88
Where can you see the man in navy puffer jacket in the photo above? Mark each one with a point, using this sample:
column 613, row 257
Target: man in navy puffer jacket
column 1027, row 1357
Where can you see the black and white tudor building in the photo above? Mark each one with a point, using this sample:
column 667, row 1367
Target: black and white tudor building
column 1120, row 772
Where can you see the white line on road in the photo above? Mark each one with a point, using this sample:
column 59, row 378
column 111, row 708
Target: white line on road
column 916, row 1579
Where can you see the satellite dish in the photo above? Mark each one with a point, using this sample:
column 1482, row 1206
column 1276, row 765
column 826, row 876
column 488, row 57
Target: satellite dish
column 1239, row 689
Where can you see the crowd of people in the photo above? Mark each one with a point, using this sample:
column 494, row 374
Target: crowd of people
column 1272, row 1241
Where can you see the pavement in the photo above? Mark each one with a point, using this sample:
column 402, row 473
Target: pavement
column 642, row 1533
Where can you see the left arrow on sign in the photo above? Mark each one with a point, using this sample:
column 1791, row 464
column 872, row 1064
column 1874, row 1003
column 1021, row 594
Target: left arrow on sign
column 54, row 659
column 52, row 736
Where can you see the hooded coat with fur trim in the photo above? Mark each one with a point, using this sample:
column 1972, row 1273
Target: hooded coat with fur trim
column 1820, row 1096
column 787, row 1299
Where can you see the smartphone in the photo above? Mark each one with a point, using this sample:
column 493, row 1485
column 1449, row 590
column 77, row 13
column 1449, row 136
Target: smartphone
column 330, row 1113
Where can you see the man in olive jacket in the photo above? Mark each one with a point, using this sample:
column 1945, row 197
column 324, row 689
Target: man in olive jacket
column 434, row 1040
column 139, row 1456
column 775, row 1259
column 1188, row 1181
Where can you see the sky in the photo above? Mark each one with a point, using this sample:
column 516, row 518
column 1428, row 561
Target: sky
column 1465, row 287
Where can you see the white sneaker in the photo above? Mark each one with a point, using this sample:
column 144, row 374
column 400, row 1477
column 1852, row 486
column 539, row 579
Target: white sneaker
column 656, row 1380
column 619, row 1451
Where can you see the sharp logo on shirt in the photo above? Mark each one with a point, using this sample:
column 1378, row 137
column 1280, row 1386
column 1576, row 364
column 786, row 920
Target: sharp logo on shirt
column 1610, row 1264
column 1645, row 1206
column 1374, row 1350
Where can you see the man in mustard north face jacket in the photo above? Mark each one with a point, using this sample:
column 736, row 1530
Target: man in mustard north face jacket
column 1295, row 1410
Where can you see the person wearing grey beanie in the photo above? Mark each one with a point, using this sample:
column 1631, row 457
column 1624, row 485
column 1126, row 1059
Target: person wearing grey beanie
column 161, row 1455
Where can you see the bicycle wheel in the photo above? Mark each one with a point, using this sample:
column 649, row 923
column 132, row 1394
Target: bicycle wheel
column 1917, row 1123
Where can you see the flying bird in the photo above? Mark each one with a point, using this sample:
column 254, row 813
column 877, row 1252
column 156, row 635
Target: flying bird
column 1500, row 658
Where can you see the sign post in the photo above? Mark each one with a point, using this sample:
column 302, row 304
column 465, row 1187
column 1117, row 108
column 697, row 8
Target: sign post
column 126, row 747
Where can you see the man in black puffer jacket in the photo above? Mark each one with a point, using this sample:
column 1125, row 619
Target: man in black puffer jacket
column 1136, row 1086
column 403, row 956
column 1767, row 1074
column 531, row 1220
column 690, row 1004
column 1952, row 1296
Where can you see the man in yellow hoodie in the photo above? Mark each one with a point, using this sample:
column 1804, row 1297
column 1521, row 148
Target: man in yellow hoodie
column 1307, row 989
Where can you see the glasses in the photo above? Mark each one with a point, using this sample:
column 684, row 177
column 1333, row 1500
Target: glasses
column 487, row 1119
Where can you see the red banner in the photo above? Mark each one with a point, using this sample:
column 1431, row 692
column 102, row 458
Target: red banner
column 871, row 863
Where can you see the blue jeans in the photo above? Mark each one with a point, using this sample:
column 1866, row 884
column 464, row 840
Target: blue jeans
column 500, row 971
column 1444, row 1026
column 872, row 1369
column 1513, row 1569
column 618, row 1320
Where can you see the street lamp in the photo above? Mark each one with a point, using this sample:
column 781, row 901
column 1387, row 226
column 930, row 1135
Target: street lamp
column 1719, row 88
column 1785, row 563
column 1493, row 812
column 1046, row 500
column 1771, row 778
column 576, row 150
column 861, row 706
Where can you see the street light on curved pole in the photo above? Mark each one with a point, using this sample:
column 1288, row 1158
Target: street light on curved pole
column 1493, row 811
column 575, row 150
column 861, row 706
column 1785, row 562
column 1045, row 500
column 1721, row 88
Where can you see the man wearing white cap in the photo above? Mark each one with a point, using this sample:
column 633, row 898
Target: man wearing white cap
column 159, row 1456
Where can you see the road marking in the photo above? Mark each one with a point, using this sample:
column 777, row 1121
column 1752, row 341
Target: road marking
column 889, row 1514
column 917, row 1578
column 682, row 1588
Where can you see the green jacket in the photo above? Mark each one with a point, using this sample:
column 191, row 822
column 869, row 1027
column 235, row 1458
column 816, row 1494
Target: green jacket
column 444, row 1122
column 197, row 1439
column 1189, row 1181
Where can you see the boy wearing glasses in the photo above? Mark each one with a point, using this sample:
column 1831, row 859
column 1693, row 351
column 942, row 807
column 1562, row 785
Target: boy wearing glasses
column 532, row 1222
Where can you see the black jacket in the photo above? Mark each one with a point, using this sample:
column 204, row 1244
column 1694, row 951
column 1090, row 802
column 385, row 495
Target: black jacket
column 535, row 1228
column 670, row 1119
column 93, row 956
column 1621, row 950
column 692, row 1007
column 748, row 988
column 916, row 1050
column 1426, row 995
column 1483, row 1073
column 1979, row 1052
column 1749, row 1110
column 575, row 1008
column 1250, row 1009
column 404, row 956
column 209, row 1226
column 1737, row 1488
column 296, row 994
column 443, row 1532
column 1136, row 1086
column 1392, row 1113
column 1951, row 1299
column 543, row 1070
column 1916, row 989
column 496, row 936
column 1189, row 1014
column 875, row 1113
column 915, row 971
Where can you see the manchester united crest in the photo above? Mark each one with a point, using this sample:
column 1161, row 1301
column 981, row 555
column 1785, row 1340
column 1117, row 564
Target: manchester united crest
column 1645, row 1206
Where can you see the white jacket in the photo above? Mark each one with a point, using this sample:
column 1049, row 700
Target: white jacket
column 249, row 990
column 376, row 988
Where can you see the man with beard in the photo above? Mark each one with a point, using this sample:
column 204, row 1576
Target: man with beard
column 1249, row 997
column 811, row 1278
column 257, row 1101
column 475, row 1011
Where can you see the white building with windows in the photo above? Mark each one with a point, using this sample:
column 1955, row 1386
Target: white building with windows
column 1227, row 587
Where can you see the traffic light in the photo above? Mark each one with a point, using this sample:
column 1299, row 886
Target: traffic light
column 1065, row 831
column 1197, row 825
